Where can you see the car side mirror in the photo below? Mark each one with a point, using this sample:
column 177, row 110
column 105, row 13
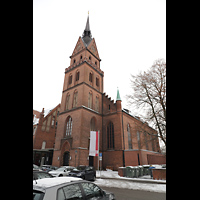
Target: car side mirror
column 64, row 170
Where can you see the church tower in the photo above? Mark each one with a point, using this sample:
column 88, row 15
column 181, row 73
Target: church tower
column 124, row 139
column 81, row 104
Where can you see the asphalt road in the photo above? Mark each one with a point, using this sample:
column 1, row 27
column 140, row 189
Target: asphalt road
column 128, row 194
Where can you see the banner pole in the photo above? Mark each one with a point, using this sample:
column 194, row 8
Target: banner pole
column 98, row 148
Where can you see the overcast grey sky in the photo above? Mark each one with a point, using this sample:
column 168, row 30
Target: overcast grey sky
column 130, row 35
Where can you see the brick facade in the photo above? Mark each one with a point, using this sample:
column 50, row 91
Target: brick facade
column 85, row 107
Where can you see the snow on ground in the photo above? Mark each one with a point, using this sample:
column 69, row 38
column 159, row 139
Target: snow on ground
column 131, row 185
column 123, row 183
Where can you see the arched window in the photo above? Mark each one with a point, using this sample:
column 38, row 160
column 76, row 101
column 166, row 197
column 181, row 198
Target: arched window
column 129, row 137
column 75, row 98
column 69, row 126
column 43, row 145
column 90, row 100
column 90, row 77
column 77, row 75
column 44, row 125
column 110, row 136
column 67, row 102
column 97, row 103
column 92, row 124
column 70, row 79
column 97, row 81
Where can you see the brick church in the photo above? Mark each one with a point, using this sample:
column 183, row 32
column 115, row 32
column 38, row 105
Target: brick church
column 124, row 139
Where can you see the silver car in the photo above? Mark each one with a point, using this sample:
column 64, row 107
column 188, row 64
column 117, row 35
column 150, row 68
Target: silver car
column 62, row 171
column 68, row 188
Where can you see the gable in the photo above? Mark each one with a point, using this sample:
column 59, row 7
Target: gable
column 93, row 48
column 79, row 46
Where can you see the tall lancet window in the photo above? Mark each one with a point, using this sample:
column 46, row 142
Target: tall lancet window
column 90, row 100
column 129, row 137
column 69, row 126
column 110, row 136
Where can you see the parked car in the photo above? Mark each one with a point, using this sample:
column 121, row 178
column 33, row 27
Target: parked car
column 84, row 172
column 40, row 174
column 62, row 171
column 60, row 188
column 48, row 168
column 36, row 167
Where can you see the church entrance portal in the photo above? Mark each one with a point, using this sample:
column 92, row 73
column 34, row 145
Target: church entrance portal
column 91, row 160
column 66, row 159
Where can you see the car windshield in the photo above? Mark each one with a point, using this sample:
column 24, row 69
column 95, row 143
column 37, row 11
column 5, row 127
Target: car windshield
column 80, row 168
column 60, row 169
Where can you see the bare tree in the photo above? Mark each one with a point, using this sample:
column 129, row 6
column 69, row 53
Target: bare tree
column 149, row 93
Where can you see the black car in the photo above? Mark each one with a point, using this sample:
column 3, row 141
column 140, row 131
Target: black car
column 84, row 172
column 40, row 175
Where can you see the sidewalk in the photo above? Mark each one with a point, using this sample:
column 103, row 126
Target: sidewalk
column 111, row 179
column 109, row 174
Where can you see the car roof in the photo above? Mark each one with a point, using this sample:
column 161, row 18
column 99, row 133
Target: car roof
column 50, row 182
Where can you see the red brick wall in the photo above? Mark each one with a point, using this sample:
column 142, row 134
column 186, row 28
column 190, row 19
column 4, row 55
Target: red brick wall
column 112, row 159
column 156, row 159
column 159, row 174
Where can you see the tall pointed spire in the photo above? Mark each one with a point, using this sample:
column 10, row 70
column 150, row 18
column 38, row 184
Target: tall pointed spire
column 118, row 95
column 87, row 36
column 87, row 27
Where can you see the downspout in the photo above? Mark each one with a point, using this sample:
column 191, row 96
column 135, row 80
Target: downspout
column 123, row 140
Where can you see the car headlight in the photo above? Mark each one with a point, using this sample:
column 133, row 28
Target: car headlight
column 79, row 174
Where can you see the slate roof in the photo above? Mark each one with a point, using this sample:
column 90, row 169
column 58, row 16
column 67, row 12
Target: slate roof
column 87, row 36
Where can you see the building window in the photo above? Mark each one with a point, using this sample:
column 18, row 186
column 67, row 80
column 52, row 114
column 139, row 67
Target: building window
column 43, row 145
column 97, row 82
column 81, row 57
column 77, row 75
column 44, row 125
column 90, row 100
column 146, row 140
column 97, row 104
column 70, row 79
column 90, row 77
column 48, row 123
column 89, row 57
column 110, row 136
column 67, row 102
column 74, row 60
column 129, row 137
column 92, row 124
column 95, row 62
column 152, row 142
column 69, row 126
column 138, row 138
column 75, row 98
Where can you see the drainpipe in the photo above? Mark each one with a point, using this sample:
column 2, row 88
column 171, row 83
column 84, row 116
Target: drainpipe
column 123, row 140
